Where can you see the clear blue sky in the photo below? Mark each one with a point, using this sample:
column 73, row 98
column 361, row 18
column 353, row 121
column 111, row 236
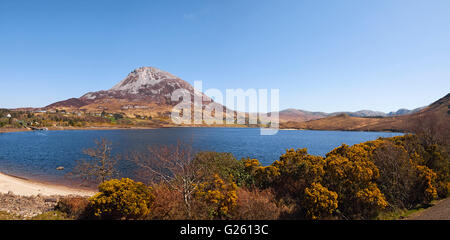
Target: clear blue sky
column 322, row 55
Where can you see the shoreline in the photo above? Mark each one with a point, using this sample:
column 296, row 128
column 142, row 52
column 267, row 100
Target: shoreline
column 11, row 130
column 8, row 130
column 26, row 187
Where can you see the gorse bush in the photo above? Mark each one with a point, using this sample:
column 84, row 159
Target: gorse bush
column 363, row 181
column 367, row 178
column 219, row 197
column 319, row 202
column 350, row 173
column 121, row 199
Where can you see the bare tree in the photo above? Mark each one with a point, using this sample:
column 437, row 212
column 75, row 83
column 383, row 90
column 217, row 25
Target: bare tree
column 171, row 165
column 101, row 165
column 397, row 175
column 431, row 128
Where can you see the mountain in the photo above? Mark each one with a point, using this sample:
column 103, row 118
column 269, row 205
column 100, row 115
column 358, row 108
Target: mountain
column 297, row 115
column 146, row 90
column 300, row 115
column 404, row 111
column 436, row 114
column 361, row 113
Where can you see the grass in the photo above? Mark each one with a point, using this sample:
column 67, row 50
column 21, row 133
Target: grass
column 7, row 216
column 399, row 214
column 52, row 215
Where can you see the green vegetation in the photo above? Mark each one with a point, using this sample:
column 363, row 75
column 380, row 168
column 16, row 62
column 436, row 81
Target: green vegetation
column 52, row 215
column 7, row 216
column 62, row 118
column 82, row 118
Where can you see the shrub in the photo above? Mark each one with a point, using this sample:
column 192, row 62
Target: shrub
column 302, row 165
column 122, row 199
column 319, row 202
column 256, row 205
column 397, row 175
column 52, row 215
column 74, row 207
column 168, row 204
column 219, row 196
column 434, row 156
column 443, row 189
column 352, row 175
column 427, row 178
column 222, row 164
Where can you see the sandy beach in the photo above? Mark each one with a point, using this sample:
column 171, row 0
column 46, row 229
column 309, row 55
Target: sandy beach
column 24, row 187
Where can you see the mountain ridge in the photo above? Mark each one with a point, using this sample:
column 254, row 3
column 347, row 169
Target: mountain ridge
column 147, row 91
column 299, row 115
column 435, row 114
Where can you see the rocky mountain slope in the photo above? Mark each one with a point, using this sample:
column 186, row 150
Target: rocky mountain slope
column 146, row 91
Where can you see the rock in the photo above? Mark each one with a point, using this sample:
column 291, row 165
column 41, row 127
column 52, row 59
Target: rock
column 53, row 200
column 27, row 206
column 60, row 168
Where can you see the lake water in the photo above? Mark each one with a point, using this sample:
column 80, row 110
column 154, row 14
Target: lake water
column 36, row 155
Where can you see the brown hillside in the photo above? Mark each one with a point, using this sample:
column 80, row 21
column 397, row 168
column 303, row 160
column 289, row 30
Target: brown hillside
column 299, row 115
column 438, row 113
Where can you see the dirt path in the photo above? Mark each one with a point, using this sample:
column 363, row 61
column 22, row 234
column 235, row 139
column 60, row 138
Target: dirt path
column 440, row 211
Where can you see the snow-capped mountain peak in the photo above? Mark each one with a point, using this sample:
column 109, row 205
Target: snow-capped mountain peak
column 142, row 78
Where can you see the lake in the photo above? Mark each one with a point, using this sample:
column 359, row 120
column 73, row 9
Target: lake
column 36, row 155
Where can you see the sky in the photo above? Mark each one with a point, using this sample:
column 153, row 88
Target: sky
column 329, row 56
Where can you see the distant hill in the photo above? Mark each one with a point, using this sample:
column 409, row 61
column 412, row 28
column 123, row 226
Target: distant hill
column 404, row 111
column 300, row 115
column 436, row 113
column 297, row 115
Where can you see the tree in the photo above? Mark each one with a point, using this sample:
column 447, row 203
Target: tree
column 398, row 175
column 256, row 204
column 170, row 165
column 431, row 128
column 101, row 165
